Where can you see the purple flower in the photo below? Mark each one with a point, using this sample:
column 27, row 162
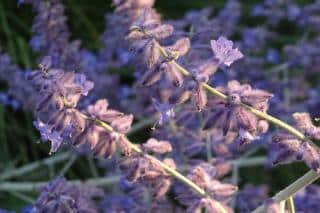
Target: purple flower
column 146, row 170
column 165, row 110
column 58, row 89
column 101, row 141
column 219, row 194
column 52, row 34
column 286, row 147
column 60, row 196
column 155, row 146
column 229, row 114
column 224, row 52
column 273, row 56
column 307, row 200
column 304, row 123
column 47, row 134
column 250, row 197
column 85, row 85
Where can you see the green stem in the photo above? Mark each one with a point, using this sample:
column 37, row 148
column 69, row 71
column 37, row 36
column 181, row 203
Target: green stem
column 143, row 123
column 33, row 166
column 34, row 186
column 92, row 167
column 290, row 203
column 248, row 162
column 30, row 186
column 293, row 188
column 22, row 197
column 282, row 206
column 168, row 169
column 68, row 165
column 208, row 147
column 300, row 183
column 219, row 94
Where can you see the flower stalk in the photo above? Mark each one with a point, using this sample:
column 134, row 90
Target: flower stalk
column 194, row 187
column 302, row 182
column 168, row 169
column 290, row 203
column 293, row 188
column 211, row 90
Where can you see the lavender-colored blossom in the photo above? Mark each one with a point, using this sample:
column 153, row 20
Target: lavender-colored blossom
column 20, row 92
column 148, row 171
column 144, row 36
column 219, row 193
column 165, row 110
column 201, row 73
column 224, row 52
column 6, row 100
column 47, row 134
column 250, row 197
column 273, row 56
column 304, row 123
column 60, row 196
column 229, row 114
column 187, row 137
column 101, row 142
column 58, row 88
column 52, row 35
column 307, row 200
column 304, row 55
column 276, row 11
column 161, row 147
column 112, row 203
column 313, row 102
column 287, row 147
column 255, row 39
column 309, row 16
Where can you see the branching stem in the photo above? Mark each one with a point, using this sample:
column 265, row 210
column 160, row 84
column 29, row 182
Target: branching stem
column 305, row 180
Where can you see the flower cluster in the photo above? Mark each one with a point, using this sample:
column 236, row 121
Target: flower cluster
column 204, row 175
column 287, row 148
column 147, row 170
column 231, row 113
column 52, row 34
column 61, row 196
column 59, row 94
column 203, row 115
column 307, row 200
column 250, row 197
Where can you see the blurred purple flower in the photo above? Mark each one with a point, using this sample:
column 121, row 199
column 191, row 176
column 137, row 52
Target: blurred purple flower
column 60, row 196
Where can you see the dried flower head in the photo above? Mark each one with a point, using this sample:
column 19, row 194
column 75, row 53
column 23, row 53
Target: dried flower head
column 287, row 147
column 229, row 114
column 204, row 176
column 104, row 143
column 304, row 124
column 146, row 170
